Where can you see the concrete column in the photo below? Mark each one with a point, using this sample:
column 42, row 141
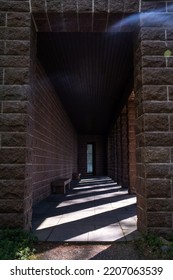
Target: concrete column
column 154, row 87
column 15, row 125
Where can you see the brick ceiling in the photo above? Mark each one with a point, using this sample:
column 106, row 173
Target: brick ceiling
column 91, row 72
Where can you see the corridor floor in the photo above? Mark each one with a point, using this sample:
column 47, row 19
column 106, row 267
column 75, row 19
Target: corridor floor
column 95, row 210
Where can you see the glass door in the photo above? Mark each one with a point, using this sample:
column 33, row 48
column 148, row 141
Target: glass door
column 90, row 158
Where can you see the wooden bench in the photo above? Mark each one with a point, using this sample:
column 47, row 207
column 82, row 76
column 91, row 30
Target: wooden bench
column 60, row 185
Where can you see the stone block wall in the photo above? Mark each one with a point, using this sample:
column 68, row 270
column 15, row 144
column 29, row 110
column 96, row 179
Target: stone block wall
column 154, row 118
column 80, row 15
column 15, row 150
column 53, row 135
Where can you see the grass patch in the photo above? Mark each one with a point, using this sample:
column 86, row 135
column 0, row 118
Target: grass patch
column 153, row 246
column 16, row 244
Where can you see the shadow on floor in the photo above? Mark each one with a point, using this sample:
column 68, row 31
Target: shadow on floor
column 95, row 210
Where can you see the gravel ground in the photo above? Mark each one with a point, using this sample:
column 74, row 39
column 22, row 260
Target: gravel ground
column 71, row 251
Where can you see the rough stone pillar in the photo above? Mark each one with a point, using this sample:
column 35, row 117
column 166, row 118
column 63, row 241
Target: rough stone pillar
column 15, row 144
column 154, row 88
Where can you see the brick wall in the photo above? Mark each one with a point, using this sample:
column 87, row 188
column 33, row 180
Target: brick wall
column 118, row 150
column 132, row 142
column 54, row 137
column 111, row 155
column 100, row 154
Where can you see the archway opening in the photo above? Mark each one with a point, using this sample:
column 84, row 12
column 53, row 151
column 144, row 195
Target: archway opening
column 88, row 78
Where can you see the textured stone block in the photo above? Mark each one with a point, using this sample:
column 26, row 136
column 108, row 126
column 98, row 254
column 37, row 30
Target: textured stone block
column 15, row 6
column 157, row 20
column 150, row 61
column 38, row 6
column 12, row 156
column 159, row 188
column 18, row 19
column 12, row 220
column 11, row 206
column 116, row 6
column 14, row 61
column 154, row 205
column 156, row 139
column 15, row 107
column 159, row 219
column 16, row 92
column 69, row 6
column 158, row 171
column 54, row 6
column 153, row 6
column 13, row 122
column 156, row 155
column 2, row 19
column 152, row 33
column 158, row 93
column 12, row 189
column 17, row 172
column 85, row 6
column 158, row 107
column 100, row 6
column 153, row 48
column 157, row 76
column 16, row 76
column 17, row 48
column 131, row 6
column 15, row 33
column 156, row 122
column 13, row 139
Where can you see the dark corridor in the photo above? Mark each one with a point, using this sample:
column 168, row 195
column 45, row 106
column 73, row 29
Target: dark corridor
column 92, row 74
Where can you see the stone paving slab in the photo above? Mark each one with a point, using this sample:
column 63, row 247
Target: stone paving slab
column 83, row 216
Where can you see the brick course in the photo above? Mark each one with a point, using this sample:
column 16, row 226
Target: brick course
column 54, row 138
